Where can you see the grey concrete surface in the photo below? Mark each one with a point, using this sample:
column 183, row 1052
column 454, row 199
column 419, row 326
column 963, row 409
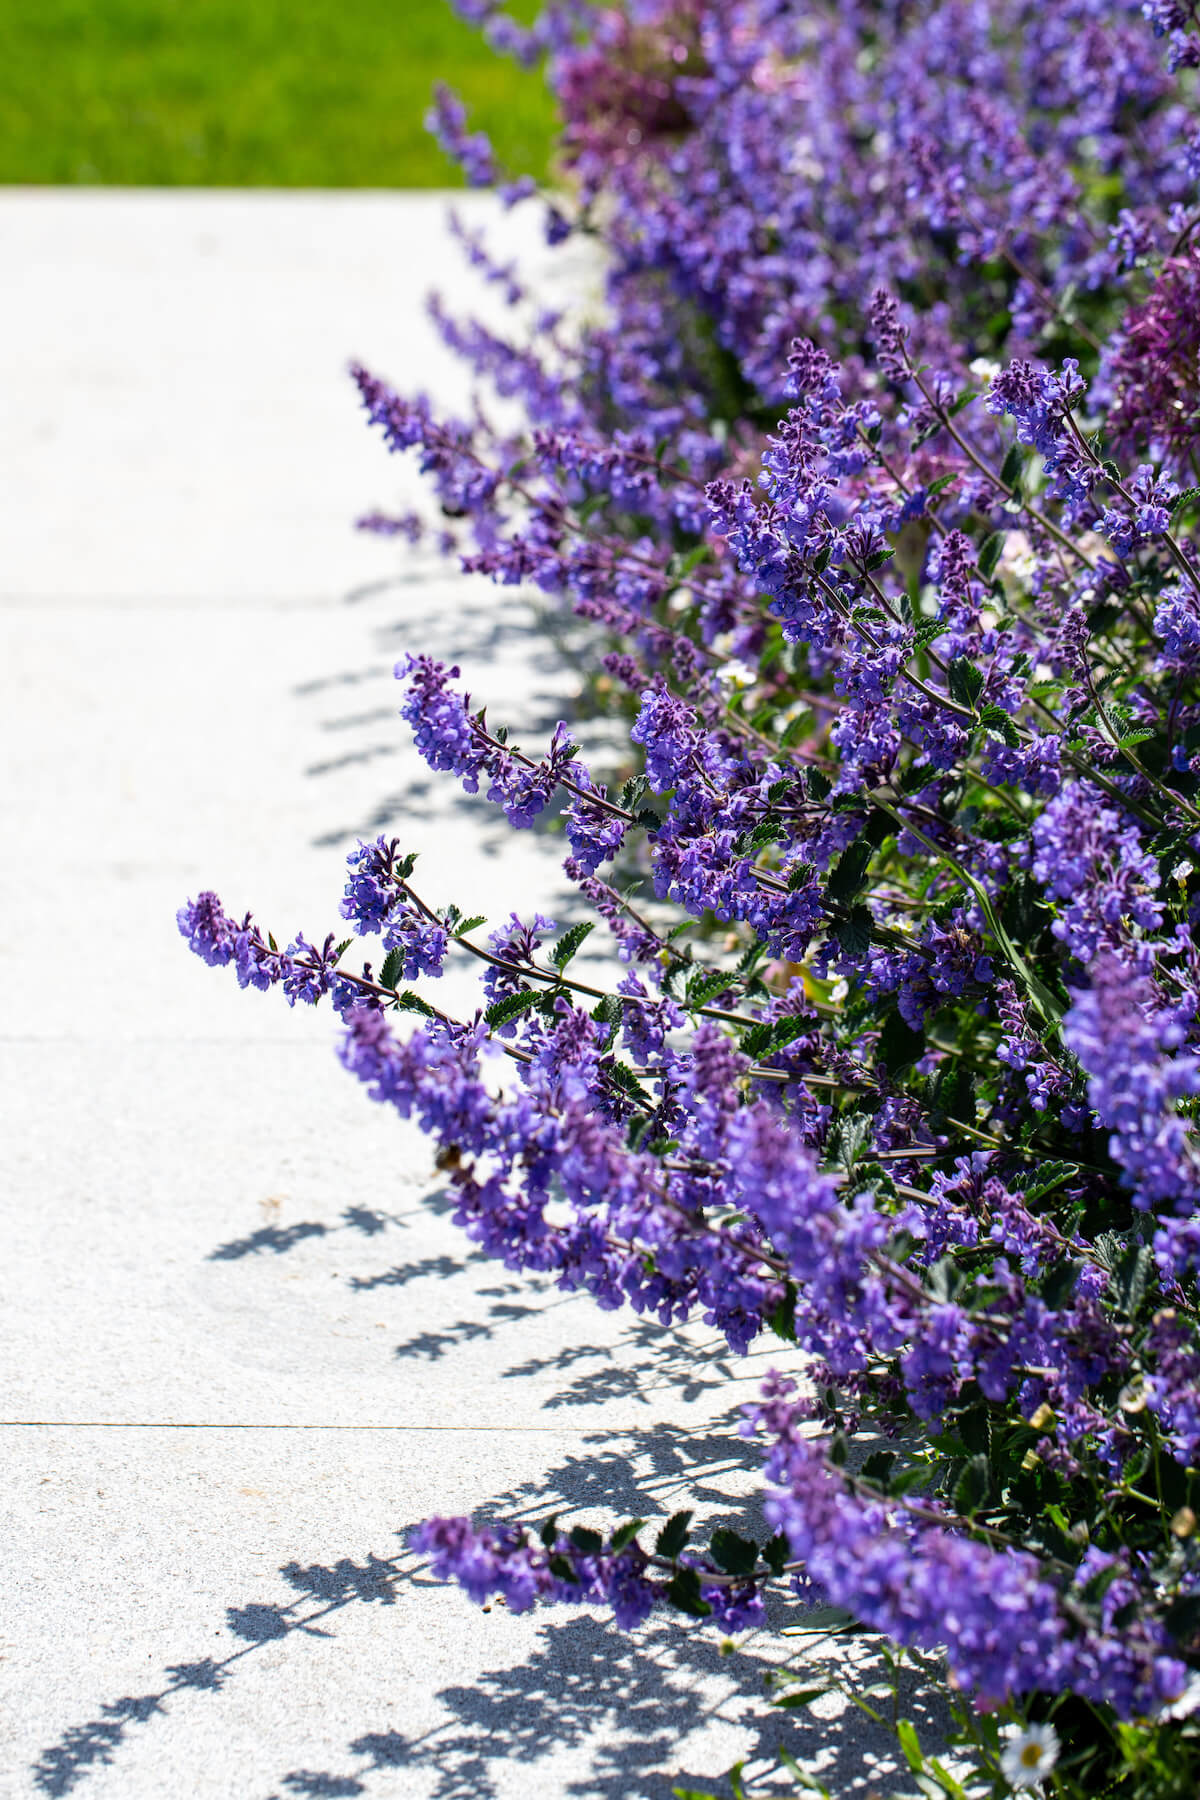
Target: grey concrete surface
column 242, row 1346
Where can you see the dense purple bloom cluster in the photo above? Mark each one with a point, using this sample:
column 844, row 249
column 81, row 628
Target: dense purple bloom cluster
column 869, row 480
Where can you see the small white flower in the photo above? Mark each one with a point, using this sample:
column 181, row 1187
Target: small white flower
column 736, row 674
column 1185, row 1704
column 1029, row 1755
column 984, row 369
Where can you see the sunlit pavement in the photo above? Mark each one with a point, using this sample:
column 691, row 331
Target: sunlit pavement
column 243, row 1345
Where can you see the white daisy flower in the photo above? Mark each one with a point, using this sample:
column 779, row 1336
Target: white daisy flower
column 1029, row 1755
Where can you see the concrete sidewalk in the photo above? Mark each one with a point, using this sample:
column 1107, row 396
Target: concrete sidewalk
column 243, row 1348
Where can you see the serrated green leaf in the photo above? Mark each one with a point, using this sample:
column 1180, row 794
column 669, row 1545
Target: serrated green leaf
column 407, row 1001
column 899, row 1046
column 943, row 481
column 622, row 1077
column 502, row 1012
column 927, row 632
column 393, row 964
column 849, row 873
column 964, row 400
column 705, row 987
column 569, row 943
column 775, row 1553
column 684, row 1594
column 1131, row 1279
column 473, row 923
column 782, row 1317
column 735, row 1555
column 973, row 1486
column 1060, row 1283
column 624, row 1535
column 1000, row 724
column 853, row 933
column 966, row 681
column 795, row 729
column 674, row 1535
column 1010, row 468
column 586, row 1541
column 1188, row 498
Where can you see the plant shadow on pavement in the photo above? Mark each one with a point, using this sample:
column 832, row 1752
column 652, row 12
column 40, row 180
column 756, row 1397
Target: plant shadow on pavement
column 625, row 1704
column 460, row 620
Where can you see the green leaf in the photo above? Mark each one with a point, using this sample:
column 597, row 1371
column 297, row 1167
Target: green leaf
column 407, row 1001
column 1048, row 1175
column 393, row 964
column 684, row 1594
column 989, row 554
column 625, row 1534
column 853, row 933
column 795, row 729
column 694, row 557
column 849, row 873
column 633, row 791
column 878, row 1467
column 342, row 949
column 910, row 1743
column 770, row 1035
column 549, row 1531
column 1000, row 724
column 1188, row 498
column 964, row 400
column 782, row 1318
column 703, row 987
column 848, row 1137
column 1060, row 1283
column 775, row 1553
column 973, row 1486
column 1182, row 1618
column 472, row 924
column 501, row 1012
column 804, row 1697
column 1134, row 737
column 966, row 681
column 1010, row 468
column 674, row 1535
column 736, row 1555
column 899, row 1046
column 1132, row 1278
column 625, row 1079
column 877, row 559
column 587, row 1542
column 564, row 1568
column 943, row 481
column 927, row 632
column 569, row 943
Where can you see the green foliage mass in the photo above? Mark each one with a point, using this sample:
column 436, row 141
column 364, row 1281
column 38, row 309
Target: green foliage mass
column 250, row 93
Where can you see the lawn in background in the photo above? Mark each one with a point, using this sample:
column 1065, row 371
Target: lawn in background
column 265, row 93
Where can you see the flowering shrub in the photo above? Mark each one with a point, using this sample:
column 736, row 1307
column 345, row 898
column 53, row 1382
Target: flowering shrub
column 873, row 483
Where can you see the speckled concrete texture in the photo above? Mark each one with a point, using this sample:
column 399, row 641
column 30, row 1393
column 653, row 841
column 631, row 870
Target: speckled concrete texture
column 242, row 1345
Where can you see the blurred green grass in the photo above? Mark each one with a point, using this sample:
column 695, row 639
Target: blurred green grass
column 264, row 93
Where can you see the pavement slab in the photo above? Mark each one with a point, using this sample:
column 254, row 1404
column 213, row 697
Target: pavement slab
column 242, row 1346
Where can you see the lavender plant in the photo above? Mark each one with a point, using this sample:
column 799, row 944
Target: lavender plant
column 873, row 484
